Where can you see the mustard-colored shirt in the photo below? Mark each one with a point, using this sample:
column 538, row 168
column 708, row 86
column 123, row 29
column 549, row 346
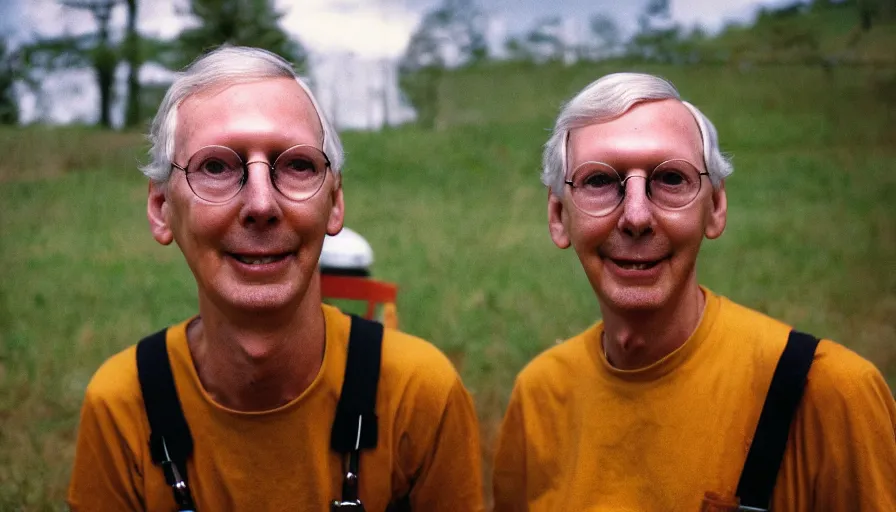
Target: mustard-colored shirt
column 280, row 460
column 580, row 435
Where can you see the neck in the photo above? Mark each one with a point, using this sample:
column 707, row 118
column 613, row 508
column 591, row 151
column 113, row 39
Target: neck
column 262, row 360
column 636, row 339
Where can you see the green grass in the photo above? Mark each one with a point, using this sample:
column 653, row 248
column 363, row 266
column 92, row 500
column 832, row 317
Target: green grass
column 456, row 217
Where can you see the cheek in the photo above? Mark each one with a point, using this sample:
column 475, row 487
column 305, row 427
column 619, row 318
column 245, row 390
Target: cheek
column 307, row 223
column 198, row 225
column 307, row 216
column 588, row 233
column 684, row 229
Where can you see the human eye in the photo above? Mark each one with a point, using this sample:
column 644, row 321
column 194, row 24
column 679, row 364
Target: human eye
column 215, row 167
column 671, row 177
column 598, row 179
column 297, row 165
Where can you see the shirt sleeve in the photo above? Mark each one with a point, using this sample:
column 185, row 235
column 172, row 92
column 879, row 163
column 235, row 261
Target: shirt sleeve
column 509, row 473
column 450, row 477
column 850, row 431
column 105, row 475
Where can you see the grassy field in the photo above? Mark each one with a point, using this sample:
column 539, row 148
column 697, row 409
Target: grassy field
column 456, row 216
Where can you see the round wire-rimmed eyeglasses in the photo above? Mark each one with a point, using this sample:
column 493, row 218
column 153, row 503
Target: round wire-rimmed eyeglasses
column 597, row 188
column 216, row 174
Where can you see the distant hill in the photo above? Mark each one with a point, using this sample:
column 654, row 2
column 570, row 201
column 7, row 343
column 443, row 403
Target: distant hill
column 794, row 57
column 835, row 33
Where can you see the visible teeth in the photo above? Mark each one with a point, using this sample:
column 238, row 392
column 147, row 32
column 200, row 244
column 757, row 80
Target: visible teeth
column 636, row 266
column 249, row 260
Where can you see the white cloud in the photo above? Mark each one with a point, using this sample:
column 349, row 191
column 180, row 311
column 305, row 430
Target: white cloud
column 364, row 31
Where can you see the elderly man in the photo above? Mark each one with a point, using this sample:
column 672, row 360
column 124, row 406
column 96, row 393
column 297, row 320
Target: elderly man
column 657, row 406
column 267, row 399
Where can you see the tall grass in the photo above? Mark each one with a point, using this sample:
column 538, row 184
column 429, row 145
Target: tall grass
column 456, row 217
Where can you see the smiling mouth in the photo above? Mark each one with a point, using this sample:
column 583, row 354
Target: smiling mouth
column 258, row 260
column 635, row 265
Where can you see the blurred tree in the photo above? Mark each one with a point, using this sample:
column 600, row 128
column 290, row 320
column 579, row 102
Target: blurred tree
column 91, row 50
column 874, row 11
column 451, row 35
column 101, row 54
column 605, row 35
column 133, row 55
column 238, row 22
column 9, row 69
column 545, row 41
column 658, row 36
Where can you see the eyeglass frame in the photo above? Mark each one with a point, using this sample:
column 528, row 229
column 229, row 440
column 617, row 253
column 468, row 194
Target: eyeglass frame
column 622, row 185
column 245, row 177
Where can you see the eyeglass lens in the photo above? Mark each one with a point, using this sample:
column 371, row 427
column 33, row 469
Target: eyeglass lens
column 217, row 173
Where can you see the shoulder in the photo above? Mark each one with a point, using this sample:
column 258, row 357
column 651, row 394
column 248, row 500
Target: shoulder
column 114, row 390
column 410, row 368
column 846, row 427
column 115, row 382
column 836, row 370
column 563, row 358
column 113, row 403
column 424, row 398
column 559, row 367
column 750, row 323
column 839, row 375
column 418, row 366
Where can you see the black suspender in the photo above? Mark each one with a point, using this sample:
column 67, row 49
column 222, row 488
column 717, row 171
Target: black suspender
column 170, row 442
column 354, row 427
column 355, row 424
column 757, row 481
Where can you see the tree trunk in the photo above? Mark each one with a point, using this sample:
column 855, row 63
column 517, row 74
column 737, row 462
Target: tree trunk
column 104, row 62
column 103, row 57
column 134, row 58
column 105, row 78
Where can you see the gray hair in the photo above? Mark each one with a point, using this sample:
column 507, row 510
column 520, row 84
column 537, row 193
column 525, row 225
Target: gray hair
column 226, row 65
column 610, row 97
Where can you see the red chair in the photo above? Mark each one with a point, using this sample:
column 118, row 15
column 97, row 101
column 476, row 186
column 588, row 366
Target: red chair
column 361, row 288
column 344, row 274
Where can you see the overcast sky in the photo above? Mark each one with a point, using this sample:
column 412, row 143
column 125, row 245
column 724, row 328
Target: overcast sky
column 336, row 32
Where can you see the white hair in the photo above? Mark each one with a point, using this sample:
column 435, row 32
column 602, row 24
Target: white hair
column 610, row 97
column 226, row 65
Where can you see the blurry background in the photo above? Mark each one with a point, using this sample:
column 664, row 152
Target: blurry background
column 444, row 106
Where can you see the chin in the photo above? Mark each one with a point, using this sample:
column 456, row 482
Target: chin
column 261, row 298
column 633, row 298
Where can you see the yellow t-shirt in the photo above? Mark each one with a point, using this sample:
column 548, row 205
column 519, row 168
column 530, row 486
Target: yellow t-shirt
column 280, row 459
column 580, row 435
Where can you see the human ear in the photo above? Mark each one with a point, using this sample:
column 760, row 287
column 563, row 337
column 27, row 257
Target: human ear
column 158, row 211
column 337, row 209
column 556, row 218
column 717, row 216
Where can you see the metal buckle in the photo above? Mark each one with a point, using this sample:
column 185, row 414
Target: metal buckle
column 350, row 499
column 347, row 505
column 178, row 484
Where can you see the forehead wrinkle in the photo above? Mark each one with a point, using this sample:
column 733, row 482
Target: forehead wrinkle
column 641, row 136
column 238, row 106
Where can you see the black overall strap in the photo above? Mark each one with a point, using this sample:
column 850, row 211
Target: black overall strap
column 170, row 442
column 757, row 481
column 355, row 425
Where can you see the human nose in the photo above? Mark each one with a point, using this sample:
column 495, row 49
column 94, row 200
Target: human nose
column 260, row 205
column 637, row 215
